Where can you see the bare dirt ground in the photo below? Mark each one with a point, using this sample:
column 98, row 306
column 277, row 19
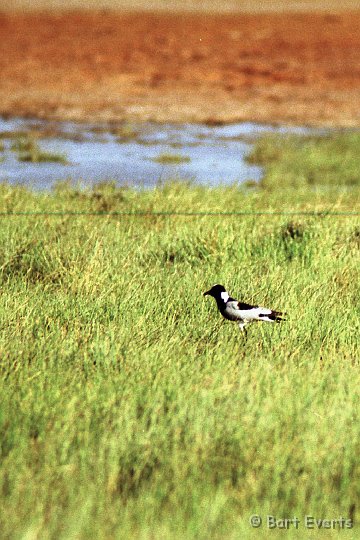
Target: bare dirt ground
column 215, row 6
column 298, row 68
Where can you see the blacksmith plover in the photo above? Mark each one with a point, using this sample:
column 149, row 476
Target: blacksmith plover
column 240, row 312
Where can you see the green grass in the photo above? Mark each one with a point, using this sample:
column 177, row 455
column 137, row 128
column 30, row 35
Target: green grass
column 129, row 409
column 297, row 161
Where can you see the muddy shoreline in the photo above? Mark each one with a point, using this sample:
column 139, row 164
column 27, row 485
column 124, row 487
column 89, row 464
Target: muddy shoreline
column 286, row 68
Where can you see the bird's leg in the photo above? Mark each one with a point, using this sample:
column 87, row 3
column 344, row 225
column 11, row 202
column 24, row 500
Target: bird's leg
column 243, row 329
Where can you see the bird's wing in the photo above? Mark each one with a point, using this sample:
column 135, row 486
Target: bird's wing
column 247, row 312
column 242, row 305
column 235, row 310
column 253, row 313
column 259, row 313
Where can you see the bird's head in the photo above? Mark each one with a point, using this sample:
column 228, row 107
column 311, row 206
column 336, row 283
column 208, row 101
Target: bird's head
column 215, row 291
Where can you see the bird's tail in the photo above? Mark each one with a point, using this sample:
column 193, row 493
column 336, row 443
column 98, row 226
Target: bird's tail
column 277, row 316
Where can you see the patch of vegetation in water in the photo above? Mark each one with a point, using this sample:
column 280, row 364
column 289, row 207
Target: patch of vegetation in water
column 125, row 133
column 43, row 132
column 29, row 151
column 55, row 131
column 24, row 144
column 13, row 134
column 171, row 159
column 43, row 157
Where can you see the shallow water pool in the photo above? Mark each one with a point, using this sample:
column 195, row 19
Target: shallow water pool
column 140, row 155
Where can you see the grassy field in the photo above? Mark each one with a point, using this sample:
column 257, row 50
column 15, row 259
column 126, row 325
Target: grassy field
column 129, row 409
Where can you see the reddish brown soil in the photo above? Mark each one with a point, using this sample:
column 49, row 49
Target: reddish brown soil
column 293, row 68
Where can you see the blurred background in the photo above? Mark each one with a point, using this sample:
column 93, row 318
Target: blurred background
column 190, row 5
column 153, row 87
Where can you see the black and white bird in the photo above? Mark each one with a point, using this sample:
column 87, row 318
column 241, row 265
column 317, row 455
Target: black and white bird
column 240, row 312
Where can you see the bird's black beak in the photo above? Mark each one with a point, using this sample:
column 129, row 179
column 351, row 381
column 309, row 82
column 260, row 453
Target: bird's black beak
column 206, row 293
